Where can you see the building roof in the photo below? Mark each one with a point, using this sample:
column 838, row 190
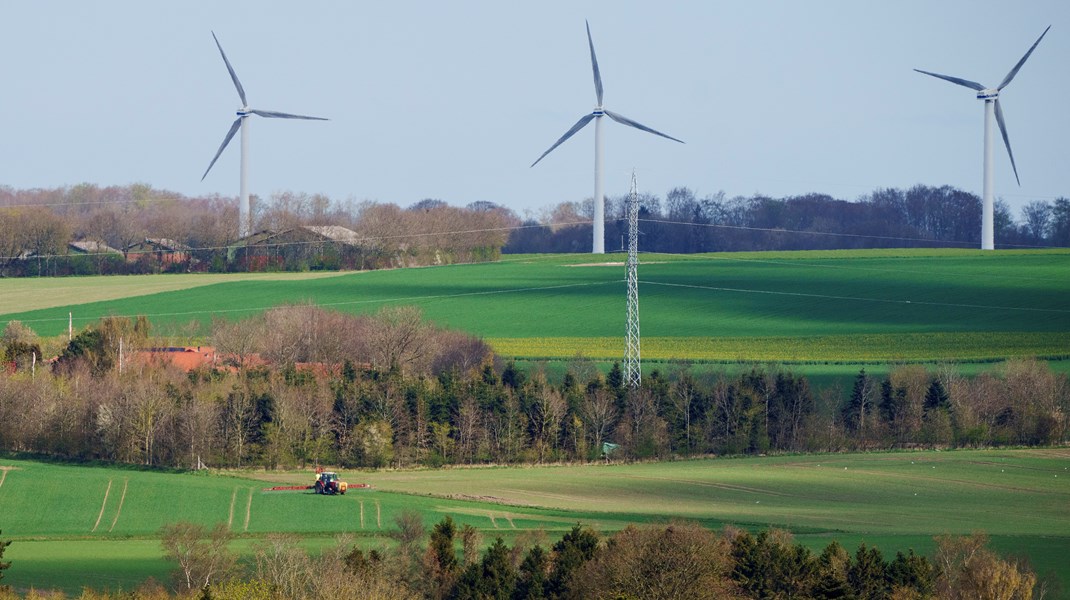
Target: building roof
column 336, row 233
column 92, row 247
column 161, row 243
column 333, row 233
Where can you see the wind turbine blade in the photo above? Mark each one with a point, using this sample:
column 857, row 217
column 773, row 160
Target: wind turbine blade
column 233, row 75
column 594, row 67
column 630, row 123
column 1006, row 140
column 1014, row 71
column 281, row 115
column 226, row 140
column 973, row 85
column 578, row 126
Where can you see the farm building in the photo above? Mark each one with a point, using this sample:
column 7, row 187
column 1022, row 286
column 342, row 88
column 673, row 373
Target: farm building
column 189, row 358
column 91, row 247
column 186, row 358
column 308, row 247
column 161, row 252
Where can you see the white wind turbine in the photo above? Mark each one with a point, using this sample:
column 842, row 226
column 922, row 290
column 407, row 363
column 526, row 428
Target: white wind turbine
column 991, row 98
column 596, row 115
column 242, row 122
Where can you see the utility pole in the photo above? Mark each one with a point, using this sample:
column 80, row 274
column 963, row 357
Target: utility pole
column 632, row 371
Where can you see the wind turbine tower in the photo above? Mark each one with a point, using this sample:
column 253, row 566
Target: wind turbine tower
column 992, row 109
column 596, row 115
column 632, row 372
column 244, row 227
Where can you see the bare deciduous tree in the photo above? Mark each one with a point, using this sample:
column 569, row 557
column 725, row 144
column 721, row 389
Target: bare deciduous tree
column 202, row 555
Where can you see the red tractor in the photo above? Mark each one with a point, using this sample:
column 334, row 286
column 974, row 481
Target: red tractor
column 328, row 483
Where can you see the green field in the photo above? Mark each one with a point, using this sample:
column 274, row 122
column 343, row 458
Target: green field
column 93, row 525
column 849, row 306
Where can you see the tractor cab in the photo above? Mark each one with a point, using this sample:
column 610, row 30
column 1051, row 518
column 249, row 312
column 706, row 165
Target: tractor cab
column 329, row 483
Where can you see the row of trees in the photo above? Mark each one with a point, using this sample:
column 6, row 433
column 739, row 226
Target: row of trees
column 42, row 221
column 36, row 226
column 300, row 385
column 681, row 222
column 678, row 560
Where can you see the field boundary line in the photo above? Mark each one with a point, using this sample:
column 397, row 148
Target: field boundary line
column 510, row 519
column 362, row 514
column 126, row 483
column 3, row 476
column 492, row 521
column 230, row 516
column 102, row 506
column 248, row 510
column 378, row 516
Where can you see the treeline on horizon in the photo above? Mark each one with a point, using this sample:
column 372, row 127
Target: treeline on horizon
column 682, row 223
column 301, row 386
column 39, row 223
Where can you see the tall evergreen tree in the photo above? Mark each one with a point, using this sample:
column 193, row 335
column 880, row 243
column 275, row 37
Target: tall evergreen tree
column 531, row 576
column 440, row 561
column 492, row 579
column 3, row 565
column 868, row 575
column 832, row 566
column 858, row 412
column 913, row 572
column 570, row 553
column 936, row 397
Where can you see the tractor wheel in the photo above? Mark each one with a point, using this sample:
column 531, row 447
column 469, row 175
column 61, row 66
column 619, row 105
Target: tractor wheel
column 318, row 488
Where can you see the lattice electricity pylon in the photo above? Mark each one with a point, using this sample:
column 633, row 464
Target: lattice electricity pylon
column 632, row 372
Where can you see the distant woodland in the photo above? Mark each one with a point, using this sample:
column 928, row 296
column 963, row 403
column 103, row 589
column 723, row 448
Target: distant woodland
column 680, row 223
column 86, row 229
column 299, row 386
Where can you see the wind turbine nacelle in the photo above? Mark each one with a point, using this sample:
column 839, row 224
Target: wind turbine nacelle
column 598, row 112
column 988, row 94
column 244, row 112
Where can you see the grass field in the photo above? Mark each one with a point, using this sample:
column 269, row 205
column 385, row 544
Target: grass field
column 851, row 306
column 87, row 525
column 48, row 292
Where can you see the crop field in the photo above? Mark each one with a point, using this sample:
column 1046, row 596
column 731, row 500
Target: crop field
column 48, row 292
column 97, row 526
column 839, row 306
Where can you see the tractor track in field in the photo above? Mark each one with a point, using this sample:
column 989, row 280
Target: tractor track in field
column 103, row 505
column 1012, row 466
column 538, row 494
column 3, row 474
column 122, row 498
column 248, row 510
column 230, row 513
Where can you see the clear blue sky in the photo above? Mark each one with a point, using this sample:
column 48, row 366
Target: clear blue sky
column 454, row 100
